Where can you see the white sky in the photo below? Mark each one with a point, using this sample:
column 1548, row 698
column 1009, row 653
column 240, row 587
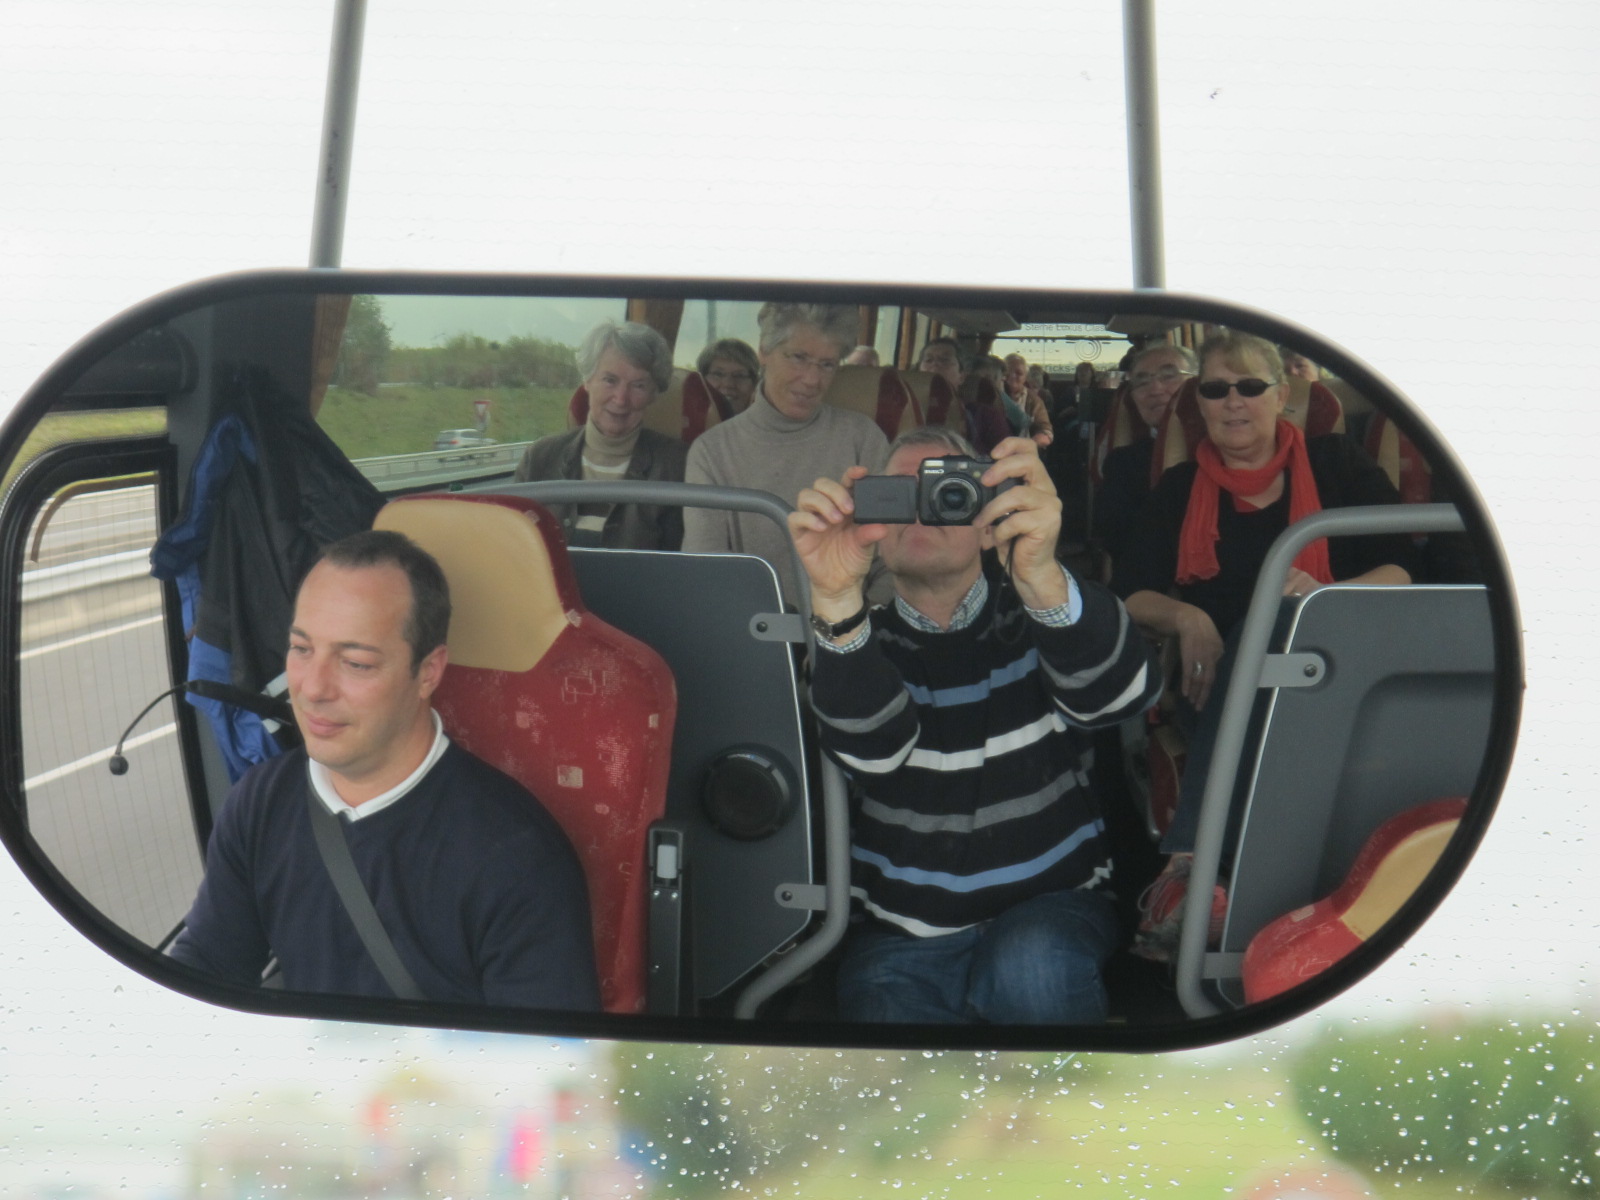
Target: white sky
column 1415, row 184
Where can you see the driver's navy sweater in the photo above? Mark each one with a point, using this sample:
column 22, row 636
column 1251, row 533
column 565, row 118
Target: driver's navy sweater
column 474, row 882
column 969, row 757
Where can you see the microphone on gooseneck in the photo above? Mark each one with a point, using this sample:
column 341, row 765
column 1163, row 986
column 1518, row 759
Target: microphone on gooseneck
column 273, row 708
column 119, row 764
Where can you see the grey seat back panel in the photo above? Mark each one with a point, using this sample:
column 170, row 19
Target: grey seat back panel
column 733, row 689
column 1401, row 717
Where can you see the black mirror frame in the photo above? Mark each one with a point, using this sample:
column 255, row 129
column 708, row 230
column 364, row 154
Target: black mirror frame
column 1252, row 1019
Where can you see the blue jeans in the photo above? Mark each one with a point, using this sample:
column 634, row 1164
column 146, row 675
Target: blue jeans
column 1036, row 963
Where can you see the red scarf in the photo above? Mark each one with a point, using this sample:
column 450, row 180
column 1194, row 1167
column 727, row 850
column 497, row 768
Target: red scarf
column 1197, row 543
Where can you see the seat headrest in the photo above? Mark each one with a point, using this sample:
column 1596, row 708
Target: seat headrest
column 512, row 590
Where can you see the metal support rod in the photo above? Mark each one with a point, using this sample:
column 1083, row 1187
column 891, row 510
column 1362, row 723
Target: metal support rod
column 1249, row 659
column 1144, row 143
column 338, row 132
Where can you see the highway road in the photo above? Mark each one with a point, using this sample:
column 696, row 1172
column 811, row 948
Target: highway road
column 92, row 657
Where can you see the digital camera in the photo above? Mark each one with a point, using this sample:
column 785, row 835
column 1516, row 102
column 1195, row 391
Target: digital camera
column 944, row 491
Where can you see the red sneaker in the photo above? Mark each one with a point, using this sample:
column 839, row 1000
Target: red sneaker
column 1161, row 911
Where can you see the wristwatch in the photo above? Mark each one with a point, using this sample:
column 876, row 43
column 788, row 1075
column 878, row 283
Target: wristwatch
column 836, row 629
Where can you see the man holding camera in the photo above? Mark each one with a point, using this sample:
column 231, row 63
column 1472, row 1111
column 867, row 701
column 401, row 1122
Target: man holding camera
column 958, row 711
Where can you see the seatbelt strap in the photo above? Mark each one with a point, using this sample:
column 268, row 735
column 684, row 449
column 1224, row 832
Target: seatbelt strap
column 325, row 827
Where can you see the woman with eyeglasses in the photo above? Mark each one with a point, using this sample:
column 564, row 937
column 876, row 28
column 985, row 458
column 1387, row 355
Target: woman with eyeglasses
column 730, row 367
column 1155, row 376
column 1190, row 561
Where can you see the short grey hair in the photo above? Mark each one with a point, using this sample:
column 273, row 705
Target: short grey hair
column 836, row 322
column 1190, row 363
column 731, row 349
column 639, row 344
column 937, row 436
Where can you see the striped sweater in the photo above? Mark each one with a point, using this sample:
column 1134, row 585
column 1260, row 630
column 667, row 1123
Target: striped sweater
column 968, row 757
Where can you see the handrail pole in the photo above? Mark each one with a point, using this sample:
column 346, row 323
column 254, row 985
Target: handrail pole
column 1144, row 142
column 338, row 132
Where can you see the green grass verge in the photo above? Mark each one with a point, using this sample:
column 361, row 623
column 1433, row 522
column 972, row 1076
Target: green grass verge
column 59, row 428
column 406, row 419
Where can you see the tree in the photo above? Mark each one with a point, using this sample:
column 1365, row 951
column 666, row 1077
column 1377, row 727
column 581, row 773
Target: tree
column 365, row 348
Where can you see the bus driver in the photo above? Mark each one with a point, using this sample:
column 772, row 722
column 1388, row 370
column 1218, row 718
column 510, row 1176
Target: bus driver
column 957, row 710
column 477, row 888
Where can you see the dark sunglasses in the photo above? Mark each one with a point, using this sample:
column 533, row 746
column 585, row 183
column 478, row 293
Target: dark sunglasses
column 1216, row 389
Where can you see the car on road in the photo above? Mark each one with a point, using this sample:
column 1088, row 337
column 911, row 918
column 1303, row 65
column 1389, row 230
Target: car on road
column 460, row 439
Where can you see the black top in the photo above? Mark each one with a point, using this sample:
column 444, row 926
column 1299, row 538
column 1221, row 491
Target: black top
column 474, row 882
column 1124, row 485
column 1345, row 476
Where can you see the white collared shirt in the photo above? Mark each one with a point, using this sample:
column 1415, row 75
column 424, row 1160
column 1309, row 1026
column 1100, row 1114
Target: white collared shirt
column 322, row 780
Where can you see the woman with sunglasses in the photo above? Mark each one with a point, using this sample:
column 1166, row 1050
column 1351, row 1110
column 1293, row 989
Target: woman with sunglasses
column 1190, row 561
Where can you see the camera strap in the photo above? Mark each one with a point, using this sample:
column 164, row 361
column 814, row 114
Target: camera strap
column 335, row 852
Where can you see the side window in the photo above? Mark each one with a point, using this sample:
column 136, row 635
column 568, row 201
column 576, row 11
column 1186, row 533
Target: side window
column 92, row 650
column 426, row 391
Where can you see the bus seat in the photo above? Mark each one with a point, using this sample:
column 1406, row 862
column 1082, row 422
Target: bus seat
column 940, row 406
column 576, row 711
column 1394, row 452
column 688, row 407
column 739, row 769
column 1179, row 433
column 1310, row 406
column 1122, row 427
column 1391, row 866
column 1313, row 407
column 1398, row 709
column 1352, row 402
column 879, row 393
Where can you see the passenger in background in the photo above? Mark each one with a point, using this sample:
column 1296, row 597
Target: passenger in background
column 1157, row 375
column 982, row 396
column 786, row 438
column 863, row 356
column 1203, row 535
column 1298, row 366
column 731, row 368
column 1035, row 421
column 625, row 367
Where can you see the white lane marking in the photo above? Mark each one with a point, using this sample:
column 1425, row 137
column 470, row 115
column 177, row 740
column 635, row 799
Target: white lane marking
column 89, row 637
column 98, row 759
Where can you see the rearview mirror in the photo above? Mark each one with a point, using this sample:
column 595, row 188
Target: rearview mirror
column 236, row 425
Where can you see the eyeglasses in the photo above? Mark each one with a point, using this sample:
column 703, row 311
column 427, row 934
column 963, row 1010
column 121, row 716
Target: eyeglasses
column 804, row 362
column 730, row 376
column 1217, row 389
column 1165, row 377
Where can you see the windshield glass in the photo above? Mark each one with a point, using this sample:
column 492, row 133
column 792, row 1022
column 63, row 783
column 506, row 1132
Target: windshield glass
column 1342, row 168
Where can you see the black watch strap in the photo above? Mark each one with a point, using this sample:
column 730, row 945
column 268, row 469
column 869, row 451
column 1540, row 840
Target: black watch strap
column 840, row 628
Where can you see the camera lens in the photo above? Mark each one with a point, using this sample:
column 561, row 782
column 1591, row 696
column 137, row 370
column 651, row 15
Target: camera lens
column 955, row 500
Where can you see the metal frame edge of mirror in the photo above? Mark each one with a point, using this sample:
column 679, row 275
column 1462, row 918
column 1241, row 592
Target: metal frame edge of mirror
column 1250, row 1019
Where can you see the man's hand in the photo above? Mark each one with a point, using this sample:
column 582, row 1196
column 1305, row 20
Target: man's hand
column 1025, row 523
column 835, row 551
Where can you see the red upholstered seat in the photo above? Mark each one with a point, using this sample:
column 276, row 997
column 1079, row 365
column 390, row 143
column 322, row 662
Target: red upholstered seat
column 877, row 392
column 1394, row 452
column 1391, row 865
column 578, row 712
